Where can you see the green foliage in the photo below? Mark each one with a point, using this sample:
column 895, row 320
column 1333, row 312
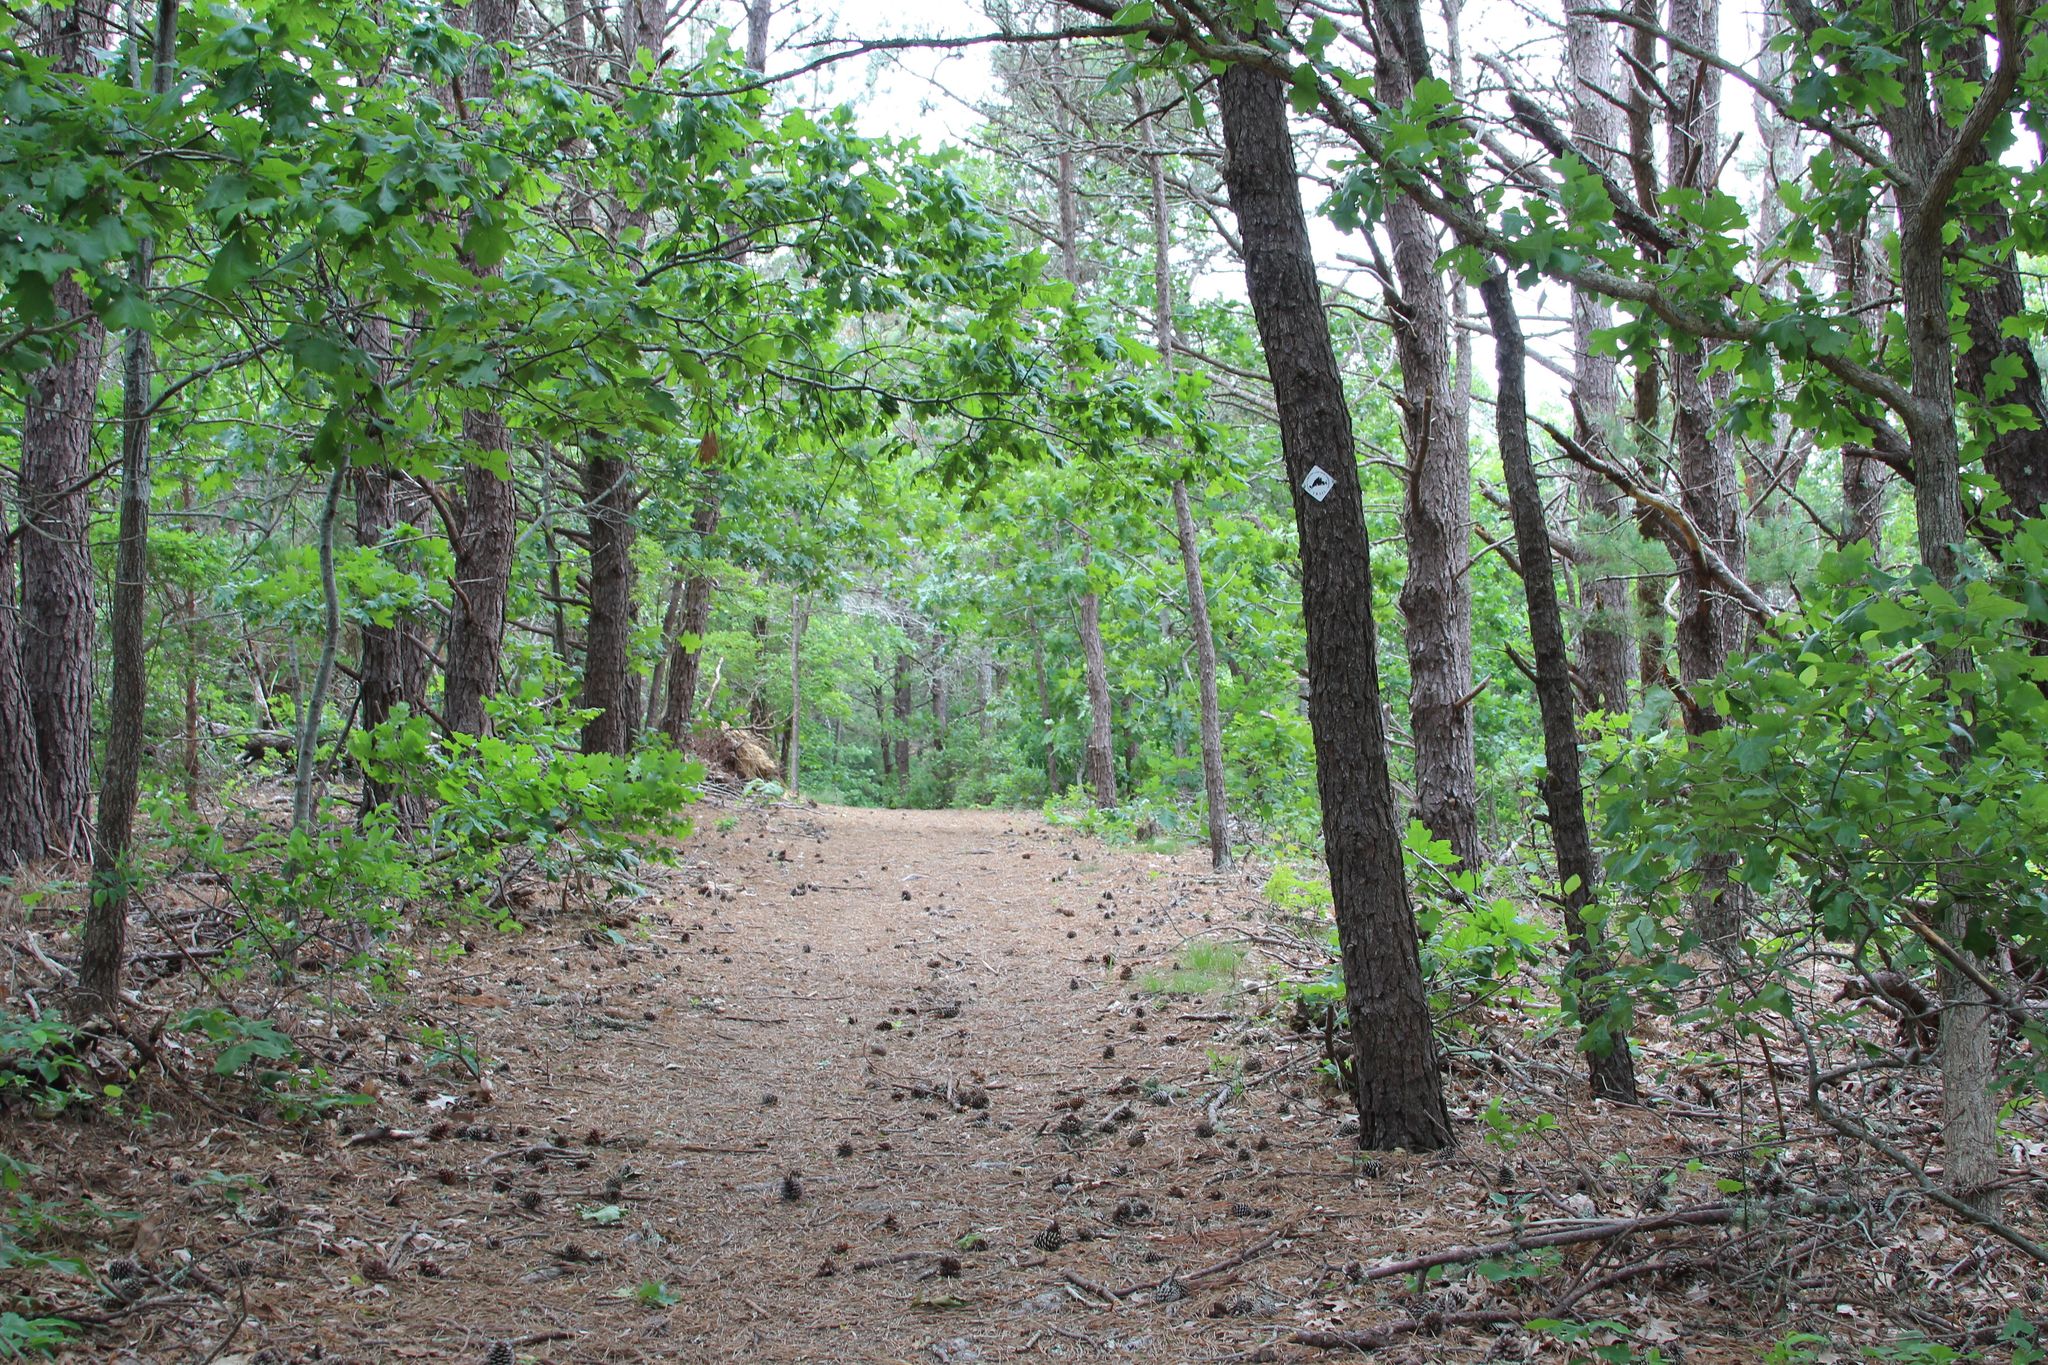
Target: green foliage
column 39, row 1062
column 1881, row 730
column 1203, row 967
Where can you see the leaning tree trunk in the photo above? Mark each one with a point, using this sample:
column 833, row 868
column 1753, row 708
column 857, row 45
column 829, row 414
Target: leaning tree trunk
column 1605, row 653
column 1399, row 1089
column 1211, row 714
column 106, row 915
column 1609, row 1065
column 489, row 521
column 608, row 642
column 1436, row 514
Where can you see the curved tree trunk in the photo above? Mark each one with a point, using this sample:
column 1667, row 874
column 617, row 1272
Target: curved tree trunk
column 1399, row 1091
column 1610, row 1066
column 106, row 916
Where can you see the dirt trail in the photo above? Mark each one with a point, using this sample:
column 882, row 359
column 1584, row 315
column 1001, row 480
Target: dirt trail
column 857, row 1086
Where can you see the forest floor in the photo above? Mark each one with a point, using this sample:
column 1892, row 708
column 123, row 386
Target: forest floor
column 826, row 1096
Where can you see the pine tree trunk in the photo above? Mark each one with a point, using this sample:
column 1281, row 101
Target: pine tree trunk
column 1436, row 514
column 106, row 916
column 58, row 619
column 489, row 521
column 1711, row 625
column 799, row 617
column 671, row 618
column 23, row 821
column 608, row 683
column 1606, row 658
column 687, row 657
column 1052, row 758
column 1101, row 756
column 903, row 710
column 1399, row 1089
column 1209, row 711
column 395, row 663
column 1610, row 1066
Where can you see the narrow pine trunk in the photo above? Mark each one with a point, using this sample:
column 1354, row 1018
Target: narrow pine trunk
column 799, row 617
column 1052, row 757
column 608, row 683
column 1605, row 652
column 1859, row 274
column 1210, row 715
column 1101, row 756
column 1436, row 514
column 1610, row 1067
column 671, row 615
column 1711, row 626
column 902, row 710
column 106, row 916
column 687, row 656
column 395, row 663
column 1399, row 1091
column 23, row 822
column 489, row 515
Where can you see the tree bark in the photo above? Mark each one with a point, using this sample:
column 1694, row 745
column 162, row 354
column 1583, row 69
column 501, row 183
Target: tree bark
column 1101, row 756
column 1711, row 625
column 1609, row 1064
column 902, row 708
column 305, row 804
column 1436, row 513
column 1209, row 711
column 1052, row 758
column 1605, row 652
column 106, row 916
column 687, row 657
column 395, row 662
column 487, row 528
column 657, row 681
column 1859, row 274
column 24, row 823
column 59, row 616
column 1399, row 1091
column 799, row 617
column 608, row 683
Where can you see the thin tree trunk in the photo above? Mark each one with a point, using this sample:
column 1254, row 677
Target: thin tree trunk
column 1605, row 655
column 902, row 708
column 658, row 679
column 1436, row 514
column 106, row 915
column 687, row 656
column 1210, row 713
column 394, row 665
column 1095, row 663
column 1399, row 1090
column 304, row 802
column 608, row 643
column 799, row 617
column 1859, row 274
column 1609, row 1064
column 1052, row 758
column 1711, row 625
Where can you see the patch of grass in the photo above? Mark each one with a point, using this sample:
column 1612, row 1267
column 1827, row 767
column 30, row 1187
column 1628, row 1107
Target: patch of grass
column 1204, row 967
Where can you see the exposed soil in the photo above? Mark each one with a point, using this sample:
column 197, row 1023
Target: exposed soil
column 864, row 1086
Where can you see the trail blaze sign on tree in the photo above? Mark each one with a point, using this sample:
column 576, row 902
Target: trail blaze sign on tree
column 1318, row 482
